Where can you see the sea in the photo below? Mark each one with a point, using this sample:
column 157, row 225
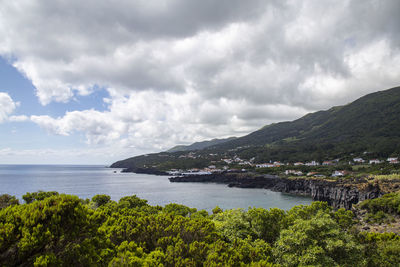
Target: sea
column 86, row 181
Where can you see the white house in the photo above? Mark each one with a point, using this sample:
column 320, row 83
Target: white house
column 374, row 161
column 312, row 163
column 338, row 173
column 298, row 164
column 175, row 172
column 237, row 159
column 294, row 172
column 228, row 161
column 265, row 165
column 359, row 160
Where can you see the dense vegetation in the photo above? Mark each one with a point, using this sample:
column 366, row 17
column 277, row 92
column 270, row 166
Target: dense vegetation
column 382, row 209
column 53, row 229
column 371, row 123
column 200, row 145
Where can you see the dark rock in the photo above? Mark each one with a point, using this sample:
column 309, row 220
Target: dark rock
column 145, row 171
column 338, row 194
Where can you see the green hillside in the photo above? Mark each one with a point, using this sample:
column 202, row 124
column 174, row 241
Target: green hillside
column 370, row 124
column 200, row 145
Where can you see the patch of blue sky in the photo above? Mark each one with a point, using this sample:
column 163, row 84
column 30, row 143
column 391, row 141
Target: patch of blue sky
column 21, row 90
column 27, row 135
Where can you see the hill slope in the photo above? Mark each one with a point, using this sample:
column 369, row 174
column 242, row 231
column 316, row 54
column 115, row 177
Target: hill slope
column 371, row 123
column 374, row 115
column 200, row 145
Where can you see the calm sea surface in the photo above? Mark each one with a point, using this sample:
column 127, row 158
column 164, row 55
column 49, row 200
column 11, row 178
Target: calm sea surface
column 87, row 181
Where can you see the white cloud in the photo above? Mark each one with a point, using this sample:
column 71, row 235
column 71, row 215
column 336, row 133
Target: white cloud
column 374, row 65
column 7, row 106
column 170, row 119
column 18, row 118
column 184, row 71
column 99, row 127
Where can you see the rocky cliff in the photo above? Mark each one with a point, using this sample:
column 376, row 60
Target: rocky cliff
column 145, row 171
column 338, row 194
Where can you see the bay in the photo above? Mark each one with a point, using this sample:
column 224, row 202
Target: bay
column 87, row 181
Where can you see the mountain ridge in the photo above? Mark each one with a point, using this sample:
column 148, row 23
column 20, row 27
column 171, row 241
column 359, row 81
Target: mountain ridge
column 200, row 145
column 368, row 124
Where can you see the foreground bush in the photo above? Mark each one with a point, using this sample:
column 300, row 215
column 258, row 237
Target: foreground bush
column 389, row 203
column 53, row 229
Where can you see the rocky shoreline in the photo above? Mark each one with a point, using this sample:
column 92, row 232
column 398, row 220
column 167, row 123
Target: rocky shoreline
column 338, row 194
column 144, row 171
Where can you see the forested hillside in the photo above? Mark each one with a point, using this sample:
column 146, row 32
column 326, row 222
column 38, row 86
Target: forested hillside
column 63, row 230
column 370, row 124
column 200, row 145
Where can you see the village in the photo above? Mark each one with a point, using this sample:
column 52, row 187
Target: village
column 236, row 164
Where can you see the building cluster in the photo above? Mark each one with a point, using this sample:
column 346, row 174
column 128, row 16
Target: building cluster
column 237, row 160
column 241, row 163
column 391, row 160
column 339, row 173
column 208, row 170
column 336, row 173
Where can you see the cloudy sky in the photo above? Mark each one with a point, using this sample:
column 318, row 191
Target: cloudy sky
column 96, row 81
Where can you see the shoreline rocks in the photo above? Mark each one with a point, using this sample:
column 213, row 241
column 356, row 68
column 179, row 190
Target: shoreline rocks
column 338, row 194
column 145, row 171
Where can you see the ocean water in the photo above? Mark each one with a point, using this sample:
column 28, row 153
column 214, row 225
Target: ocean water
column 87, row 181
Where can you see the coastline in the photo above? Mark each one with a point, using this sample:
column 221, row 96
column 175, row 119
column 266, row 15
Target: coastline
column 339, row 194
column 144, row 171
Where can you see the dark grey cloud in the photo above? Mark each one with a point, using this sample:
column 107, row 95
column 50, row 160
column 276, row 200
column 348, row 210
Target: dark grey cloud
column 129, row 45
column 193, row 69
column 298, row 41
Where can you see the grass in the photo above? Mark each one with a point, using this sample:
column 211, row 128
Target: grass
column 357, row 167
column 386, row 177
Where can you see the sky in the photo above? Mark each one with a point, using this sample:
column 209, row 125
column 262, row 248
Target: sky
column 92, row 82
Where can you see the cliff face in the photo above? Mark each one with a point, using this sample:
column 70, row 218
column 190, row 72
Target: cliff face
column 338, row 194
column 144, row 171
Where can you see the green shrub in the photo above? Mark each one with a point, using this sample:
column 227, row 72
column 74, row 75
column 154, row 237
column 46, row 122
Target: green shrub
column 389, row 203
column 39, row 195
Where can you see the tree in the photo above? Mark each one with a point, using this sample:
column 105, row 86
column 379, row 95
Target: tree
column 130, row 254
column 233, row 224
column 132, row 202
column 217, row 210
column 101, row 200
column 39, row 195
column 380, row 249
column 267, row 224
column 57, row 226
column 178, row 209
column 318, row 241
column 7, row 200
